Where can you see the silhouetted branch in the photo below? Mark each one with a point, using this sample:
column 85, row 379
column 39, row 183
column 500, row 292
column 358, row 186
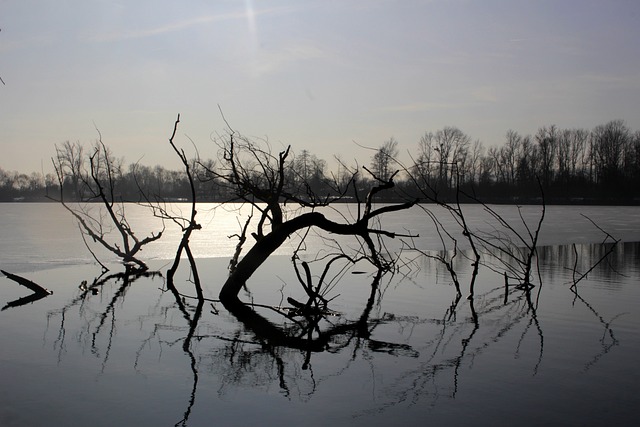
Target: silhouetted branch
column 99, row 183
column 34, row 287
column 608, row 237
column 258, row 177
column 38, row 291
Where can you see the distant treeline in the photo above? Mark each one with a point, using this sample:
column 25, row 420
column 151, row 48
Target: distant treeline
column 601, row 165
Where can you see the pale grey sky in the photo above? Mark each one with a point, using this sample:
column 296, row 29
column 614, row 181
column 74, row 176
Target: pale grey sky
column 318, row 75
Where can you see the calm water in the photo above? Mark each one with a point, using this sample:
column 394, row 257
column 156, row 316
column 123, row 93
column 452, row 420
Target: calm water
column 118, row 357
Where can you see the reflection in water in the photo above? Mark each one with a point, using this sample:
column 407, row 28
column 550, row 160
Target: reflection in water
column 94, row 321
column 405, row 356
column 38, row 292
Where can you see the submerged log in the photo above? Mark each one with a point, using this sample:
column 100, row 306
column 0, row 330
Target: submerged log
column 38, row 291
column 34, row 287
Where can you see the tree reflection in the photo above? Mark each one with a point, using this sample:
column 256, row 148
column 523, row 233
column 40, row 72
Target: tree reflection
column 94, row 321
column 38, row 292
column 262, row 352
column 256, row 346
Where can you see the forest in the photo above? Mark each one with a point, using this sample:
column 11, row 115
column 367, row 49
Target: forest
column 571, row 166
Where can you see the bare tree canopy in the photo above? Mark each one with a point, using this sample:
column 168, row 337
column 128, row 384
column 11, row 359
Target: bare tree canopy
column 95, row 178
column 383, row 159
column 256, row 175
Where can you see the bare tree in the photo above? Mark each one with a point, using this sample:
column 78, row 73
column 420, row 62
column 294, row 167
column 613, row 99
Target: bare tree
column 509, row 154
column 515, row 251
column 451, row 147
column 70, row 157
column 609, row 144
column 308, row 172
column 474, row 164
column 99, row 184
column 257, row 176
column 632, row 159
column 187, row 225
column 547, row 140
column 382, row 160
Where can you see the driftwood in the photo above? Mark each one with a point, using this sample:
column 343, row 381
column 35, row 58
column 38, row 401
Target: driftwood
column 38, row 291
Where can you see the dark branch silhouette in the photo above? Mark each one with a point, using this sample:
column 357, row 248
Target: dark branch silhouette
column 256, row 176
column 98, row 183
column 38, row 291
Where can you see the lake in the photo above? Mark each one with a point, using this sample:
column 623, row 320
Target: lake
column 125, row 351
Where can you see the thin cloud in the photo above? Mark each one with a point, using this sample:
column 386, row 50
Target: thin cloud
column 417, row 107
column 618, row 80
column 7, row 46
column 272, row 61
column 485, row 94
column 178, row 26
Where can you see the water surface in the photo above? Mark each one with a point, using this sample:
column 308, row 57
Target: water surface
column 118, row 357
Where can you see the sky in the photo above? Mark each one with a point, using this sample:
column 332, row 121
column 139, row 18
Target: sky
column 327, row 76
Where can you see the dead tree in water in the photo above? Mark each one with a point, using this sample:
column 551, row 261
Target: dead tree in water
column 515, row 251
column 98, row 183
column 187, row 225
column 608, row 242
column 420, row 176
column 258, row 177
column 512, row 250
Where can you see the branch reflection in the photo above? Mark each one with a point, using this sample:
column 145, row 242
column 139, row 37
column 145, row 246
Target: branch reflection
column 258, row 347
